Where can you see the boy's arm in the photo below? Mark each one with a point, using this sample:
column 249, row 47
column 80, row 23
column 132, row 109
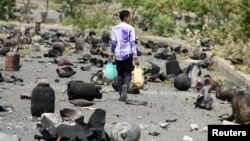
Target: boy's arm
column 133, row 47
column 132, row 43
column 113, row 45
column 113, row 42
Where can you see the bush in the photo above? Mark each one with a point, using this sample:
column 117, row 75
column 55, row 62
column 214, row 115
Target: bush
column 89, row 20
column 44, row 16
column 162, row 23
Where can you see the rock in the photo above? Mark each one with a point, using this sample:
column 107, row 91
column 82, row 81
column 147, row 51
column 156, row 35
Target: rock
column 25, row 96
column 70, row 114
column 194, row 127
column 205, row 129
column 81, row 102
column 163, row 125
column 225, row 122
column 154, row 133
column 51, row 116
column 187, row 138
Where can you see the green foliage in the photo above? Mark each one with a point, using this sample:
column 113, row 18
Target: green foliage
column 166, row 83
column 3, row 9
column 162, row 24
column 7, row 9
column 225, row 22
column 69, row 7
column 100, row 2
column 84, row 14
column 133, row 5
column 58, row 1
column 44, row 16
column 153, row 12
column 24, row 52
column 33, row 6
column 87, row 20
column 245, row 17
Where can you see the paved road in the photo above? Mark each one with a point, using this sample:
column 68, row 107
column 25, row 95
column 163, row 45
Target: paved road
column 164, row 102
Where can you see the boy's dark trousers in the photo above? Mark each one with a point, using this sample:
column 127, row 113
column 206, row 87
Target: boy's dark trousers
column 124, row 70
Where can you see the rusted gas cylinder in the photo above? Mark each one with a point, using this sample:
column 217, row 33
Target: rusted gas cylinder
column 12, row 60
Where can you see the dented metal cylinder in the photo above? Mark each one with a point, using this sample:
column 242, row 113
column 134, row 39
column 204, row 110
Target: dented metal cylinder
column 12, row 61
column 42, row 99
column 78, row 89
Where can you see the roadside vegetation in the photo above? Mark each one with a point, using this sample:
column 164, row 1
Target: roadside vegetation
column 225, row 24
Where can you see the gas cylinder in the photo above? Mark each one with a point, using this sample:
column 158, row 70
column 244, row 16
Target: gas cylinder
column 12, row 61
column 37, row 28
column 172, row 67
column 42, row 99
column 78, row 89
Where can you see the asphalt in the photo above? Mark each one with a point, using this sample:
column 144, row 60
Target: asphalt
column 164, row 101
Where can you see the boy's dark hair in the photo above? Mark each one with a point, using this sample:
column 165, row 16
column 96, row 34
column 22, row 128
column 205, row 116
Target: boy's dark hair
column 123, row 14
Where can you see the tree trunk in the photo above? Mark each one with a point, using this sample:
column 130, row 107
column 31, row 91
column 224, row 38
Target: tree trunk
column 26, row 4
column 9, row 9
column 46, row 12
column 133, row 13
column 47, row 6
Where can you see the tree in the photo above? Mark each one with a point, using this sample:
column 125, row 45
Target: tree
column 45, row 14
column 26, row 7
column 10, row 9
column 133, row 4
column 47, row 6
column 3, row 9
column 245, row 18
column 102, row 5
column 162, row 23
column 7, row 9
column 156, row 16
column 84, row 14
column 69, row 7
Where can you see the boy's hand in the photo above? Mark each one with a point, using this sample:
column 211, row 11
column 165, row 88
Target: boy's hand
column 136, row 60
column 110, row 58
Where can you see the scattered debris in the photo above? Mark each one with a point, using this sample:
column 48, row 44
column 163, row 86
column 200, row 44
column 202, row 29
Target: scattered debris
column 224, row 102
column 81, row 102
column 194, row 127
column 57, row 80
column 164, row 125
column 5, row 108
column 171, row 120
column 51, row 116
column 25, row 96
column 69, row 114
column 144, row 126
column 139, row 117
column 154, row 133
column 205, row 130
column 225, row 122
column 88, row 108
column 187, row 138
column 136, row 102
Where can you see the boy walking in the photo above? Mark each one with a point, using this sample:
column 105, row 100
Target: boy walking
column 123, row 49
